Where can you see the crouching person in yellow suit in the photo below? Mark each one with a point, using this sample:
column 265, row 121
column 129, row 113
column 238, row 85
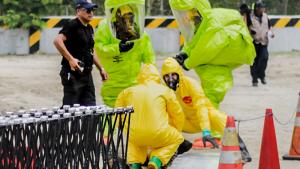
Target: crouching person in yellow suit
column 200, row 114
column 156, row 123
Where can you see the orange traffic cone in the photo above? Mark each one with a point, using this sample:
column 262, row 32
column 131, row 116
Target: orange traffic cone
column 230, row 152
column 294, row 153
column 269, row 153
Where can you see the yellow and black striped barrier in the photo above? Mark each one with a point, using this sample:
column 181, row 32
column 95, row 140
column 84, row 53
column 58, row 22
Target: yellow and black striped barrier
column 153, row 23
column 150, row 23
column 285, row 22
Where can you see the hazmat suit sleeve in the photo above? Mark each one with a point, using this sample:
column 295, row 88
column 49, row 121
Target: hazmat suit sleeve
column 148, row 55
column 207, row 48
column 120, row 102
column 105, row 44
column 176, row 115
column 201, row 104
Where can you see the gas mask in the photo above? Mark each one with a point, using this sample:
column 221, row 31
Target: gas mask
column 126, row 28
column 195, row 19
column 172, row 80
column 189, row 21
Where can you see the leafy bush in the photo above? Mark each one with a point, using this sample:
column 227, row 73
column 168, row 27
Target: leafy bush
column 24, row 13
column 14, row 19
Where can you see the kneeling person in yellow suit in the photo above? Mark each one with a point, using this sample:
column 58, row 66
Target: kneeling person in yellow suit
column 157, row 120
column 200, row 114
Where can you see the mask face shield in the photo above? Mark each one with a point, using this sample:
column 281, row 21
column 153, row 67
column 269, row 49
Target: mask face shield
column 189, row 22
column 127, row 21
column 172, row 80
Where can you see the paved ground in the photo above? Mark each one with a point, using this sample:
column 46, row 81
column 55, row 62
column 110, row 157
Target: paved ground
column 33, row 82
column 196, row 160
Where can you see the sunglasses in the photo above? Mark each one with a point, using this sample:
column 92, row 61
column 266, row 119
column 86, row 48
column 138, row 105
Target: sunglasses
column 89, row 10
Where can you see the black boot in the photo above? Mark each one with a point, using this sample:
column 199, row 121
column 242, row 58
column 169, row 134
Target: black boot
column 246, row 157
column 254, row 82
column 184, row 147
column 263, row 81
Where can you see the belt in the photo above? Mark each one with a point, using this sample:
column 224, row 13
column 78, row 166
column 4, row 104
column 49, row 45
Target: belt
column 86, row 70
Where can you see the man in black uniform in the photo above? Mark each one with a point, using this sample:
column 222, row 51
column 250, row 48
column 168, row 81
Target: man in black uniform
column 75, row 43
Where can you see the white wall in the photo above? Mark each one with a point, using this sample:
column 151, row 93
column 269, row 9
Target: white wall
column 286, row 39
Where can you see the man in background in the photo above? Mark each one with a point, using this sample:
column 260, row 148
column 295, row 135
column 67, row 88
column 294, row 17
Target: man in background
column 260, row 30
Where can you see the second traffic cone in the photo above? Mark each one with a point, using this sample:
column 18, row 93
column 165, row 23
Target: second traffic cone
column 294, row 153
column 269, row 153
column 230, row 157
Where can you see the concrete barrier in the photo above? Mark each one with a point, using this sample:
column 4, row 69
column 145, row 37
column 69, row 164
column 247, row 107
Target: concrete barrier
column 287, row 33
column 163, row 31
column 14, row 41
column 164, row 40
column 286, row 40
column 46, row 42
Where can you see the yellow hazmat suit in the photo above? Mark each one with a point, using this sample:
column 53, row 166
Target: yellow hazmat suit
column 155, row 108
column 200, row 114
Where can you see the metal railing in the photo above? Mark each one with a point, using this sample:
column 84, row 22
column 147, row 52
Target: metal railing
column 72, row 137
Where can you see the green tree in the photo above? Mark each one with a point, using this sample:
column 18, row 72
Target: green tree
column 21, row 14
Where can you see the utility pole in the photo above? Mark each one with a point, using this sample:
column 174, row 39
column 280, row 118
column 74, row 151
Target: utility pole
column 162, row 7
column 148, row 12
column 285, row 6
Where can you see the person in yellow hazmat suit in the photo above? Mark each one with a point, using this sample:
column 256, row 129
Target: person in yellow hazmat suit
column 216, row 41
column 122, row 45
column 200, row 114
column 157, row 120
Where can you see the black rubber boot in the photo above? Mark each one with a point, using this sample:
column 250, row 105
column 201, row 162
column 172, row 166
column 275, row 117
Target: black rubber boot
column 263, row 81
column 254, row 82
column 184, row 147
column 246, row 157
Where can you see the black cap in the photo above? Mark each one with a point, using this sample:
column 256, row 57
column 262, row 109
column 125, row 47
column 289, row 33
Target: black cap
column 87, row 4
column 244, row 9
column 259, row 5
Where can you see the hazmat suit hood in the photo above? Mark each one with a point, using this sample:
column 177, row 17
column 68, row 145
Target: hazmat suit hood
column 185, row 12
column 203, row 6
column 135, row 7
column 197, row 108
column 170, row 65
column 148, row 73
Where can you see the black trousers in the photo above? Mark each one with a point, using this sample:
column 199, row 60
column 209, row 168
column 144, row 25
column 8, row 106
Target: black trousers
column 78, row 88
column 260, row 63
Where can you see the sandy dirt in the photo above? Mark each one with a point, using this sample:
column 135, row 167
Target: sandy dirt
column 33, row 82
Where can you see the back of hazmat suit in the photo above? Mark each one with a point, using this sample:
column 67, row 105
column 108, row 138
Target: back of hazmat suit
column 200, row 114
column 216, row 42
column 157, row 120
column 122, row 46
